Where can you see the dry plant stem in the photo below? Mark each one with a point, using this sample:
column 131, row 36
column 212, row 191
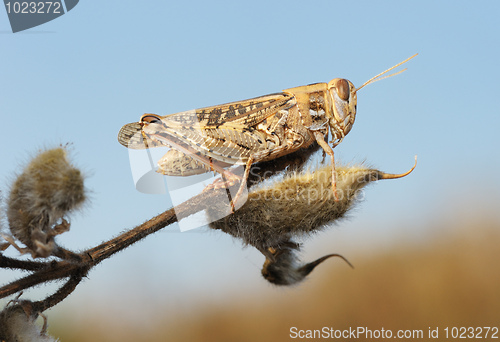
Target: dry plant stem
column 6, row 262
column 60, row 294
column 49, row 271
column 183, row 210
column 53, row 271
column 67, row 255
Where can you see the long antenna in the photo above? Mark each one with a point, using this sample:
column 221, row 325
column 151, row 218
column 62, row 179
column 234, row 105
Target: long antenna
column 378, row 78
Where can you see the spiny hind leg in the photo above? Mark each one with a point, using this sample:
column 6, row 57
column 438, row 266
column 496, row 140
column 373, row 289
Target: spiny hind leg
column 262, row 155
column 177, row 163
column 243, row 183
column 269, row 154
column 187, row 154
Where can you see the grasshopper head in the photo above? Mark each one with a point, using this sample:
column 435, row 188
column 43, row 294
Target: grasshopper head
column 342, row 101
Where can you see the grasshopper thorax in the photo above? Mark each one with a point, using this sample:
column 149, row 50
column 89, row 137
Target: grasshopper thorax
column 341, row 102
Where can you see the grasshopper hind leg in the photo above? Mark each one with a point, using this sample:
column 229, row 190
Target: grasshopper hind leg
column 176, row 163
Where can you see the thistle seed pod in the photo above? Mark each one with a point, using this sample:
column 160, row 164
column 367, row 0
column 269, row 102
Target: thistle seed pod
column 48, row 189
column 297, row 205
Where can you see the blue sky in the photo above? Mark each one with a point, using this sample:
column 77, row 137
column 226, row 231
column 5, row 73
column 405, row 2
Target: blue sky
column 80, row 77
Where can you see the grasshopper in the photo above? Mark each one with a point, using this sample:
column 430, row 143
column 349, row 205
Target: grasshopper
column 249, row 131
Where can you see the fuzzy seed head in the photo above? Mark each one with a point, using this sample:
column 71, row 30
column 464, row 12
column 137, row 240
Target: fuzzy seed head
column 48, row 189
column 299, row 204
column 16, row 325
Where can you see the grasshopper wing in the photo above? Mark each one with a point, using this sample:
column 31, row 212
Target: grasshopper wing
column 236, row 116
column 227, row 133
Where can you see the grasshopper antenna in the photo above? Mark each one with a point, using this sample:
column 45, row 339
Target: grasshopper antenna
column 378, row 78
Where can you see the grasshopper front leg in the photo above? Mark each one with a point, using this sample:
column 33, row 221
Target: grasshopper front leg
column 320, row 138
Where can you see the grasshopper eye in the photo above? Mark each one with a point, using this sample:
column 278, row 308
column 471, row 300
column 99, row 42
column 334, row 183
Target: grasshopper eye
column 150, row 118
column 343, row 90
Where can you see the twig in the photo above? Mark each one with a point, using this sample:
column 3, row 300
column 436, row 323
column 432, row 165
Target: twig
column 28, row 265
column 60, row 294
column 58, row 270
column 183, row 210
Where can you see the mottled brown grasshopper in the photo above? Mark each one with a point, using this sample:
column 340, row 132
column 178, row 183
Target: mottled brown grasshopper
column 249, row 131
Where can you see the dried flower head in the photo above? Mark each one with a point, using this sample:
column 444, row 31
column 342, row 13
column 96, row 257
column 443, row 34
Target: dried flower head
column 18, row 325
column 48, row 189
column 299, row 204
